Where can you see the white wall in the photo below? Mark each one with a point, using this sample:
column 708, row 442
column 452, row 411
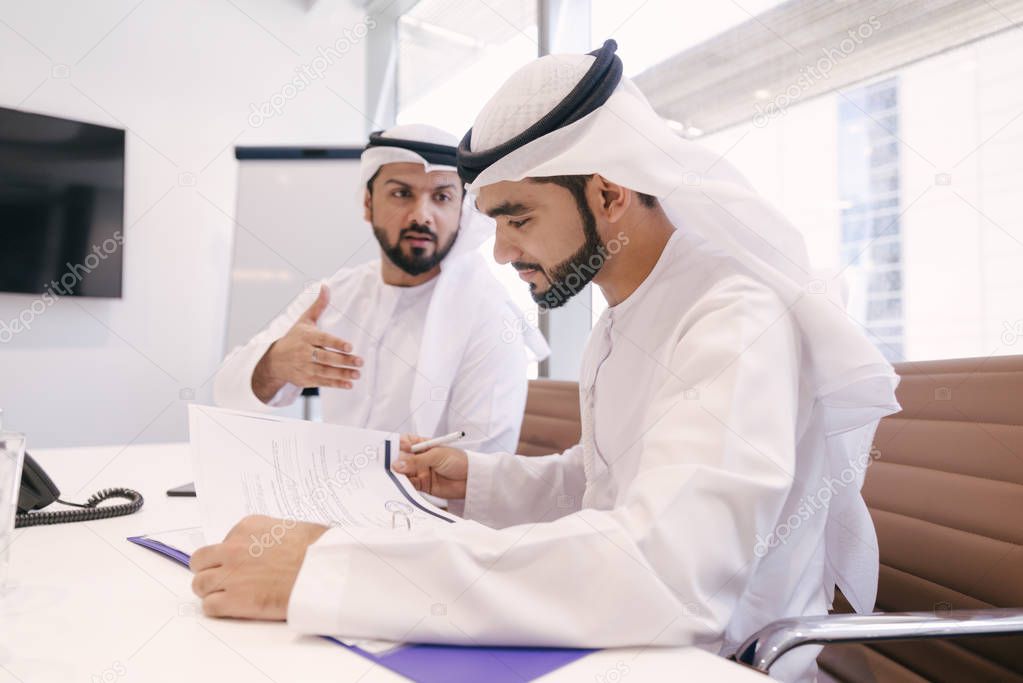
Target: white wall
column 181, row 76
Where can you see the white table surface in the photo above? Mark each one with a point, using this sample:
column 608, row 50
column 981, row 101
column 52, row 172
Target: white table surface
column 84, row 604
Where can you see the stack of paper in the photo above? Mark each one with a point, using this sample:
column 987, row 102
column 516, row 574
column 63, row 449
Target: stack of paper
column 247, row 463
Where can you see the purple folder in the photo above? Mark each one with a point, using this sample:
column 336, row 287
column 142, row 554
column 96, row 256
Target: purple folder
column 442, row 663
column 173, row 553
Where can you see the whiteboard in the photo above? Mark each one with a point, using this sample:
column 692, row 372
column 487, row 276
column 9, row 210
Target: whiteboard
column 298, row 220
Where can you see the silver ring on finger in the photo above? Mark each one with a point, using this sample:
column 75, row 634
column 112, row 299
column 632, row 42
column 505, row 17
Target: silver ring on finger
column 314, row 355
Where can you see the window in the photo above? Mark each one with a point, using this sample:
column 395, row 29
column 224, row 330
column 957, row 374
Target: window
column 908, row 185
column 868, row 194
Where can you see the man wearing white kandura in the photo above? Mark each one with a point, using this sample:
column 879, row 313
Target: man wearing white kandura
column 728, row 408
column 424, row 339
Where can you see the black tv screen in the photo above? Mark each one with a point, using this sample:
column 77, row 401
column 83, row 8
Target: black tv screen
column 61, row 206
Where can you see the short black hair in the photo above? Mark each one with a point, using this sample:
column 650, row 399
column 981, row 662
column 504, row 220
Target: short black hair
column 576, row 184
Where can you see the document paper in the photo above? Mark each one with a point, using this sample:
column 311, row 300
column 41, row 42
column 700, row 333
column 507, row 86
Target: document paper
column 249, row 463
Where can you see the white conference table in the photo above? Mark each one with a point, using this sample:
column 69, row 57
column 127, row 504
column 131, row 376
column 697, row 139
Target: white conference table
column 84, row 604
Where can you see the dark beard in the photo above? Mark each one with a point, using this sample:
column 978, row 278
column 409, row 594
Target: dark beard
column 569, row 277
column 417, row 262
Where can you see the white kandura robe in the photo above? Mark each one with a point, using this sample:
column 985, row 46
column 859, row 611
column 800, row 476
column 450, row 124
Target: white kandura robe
column 400, row 390
column 696, row 447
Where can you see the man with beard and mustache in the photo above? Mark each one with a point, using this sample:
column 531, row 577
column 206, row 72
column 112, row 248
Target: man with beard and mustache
column 723, row 392
column 567, row 278
column 423, row 339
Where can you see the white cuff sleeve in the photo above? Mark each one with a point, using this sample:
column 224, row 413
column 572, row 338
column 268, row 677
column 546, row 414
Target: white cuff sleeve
column 479, row 487
column 317, row 597
column 503, row 490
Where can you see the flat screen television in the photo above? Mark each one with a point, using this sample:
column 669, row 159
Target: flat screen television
column 61, row 206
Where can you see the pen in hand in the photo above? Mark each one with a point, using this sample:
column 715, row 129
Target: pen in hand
column 439, row 441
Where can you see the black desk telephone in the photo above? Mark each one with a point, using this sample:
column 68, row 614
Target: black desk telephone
column 38, row 491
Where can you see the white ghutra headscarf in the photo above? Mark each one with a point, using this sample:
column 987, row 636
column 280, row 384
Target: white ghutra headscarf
column 577, row 115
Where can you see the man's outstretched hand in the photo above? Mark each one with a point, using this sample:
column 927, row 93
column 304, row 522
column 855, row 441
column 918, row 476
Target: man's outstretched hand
column 307, row 357
column 250, row 574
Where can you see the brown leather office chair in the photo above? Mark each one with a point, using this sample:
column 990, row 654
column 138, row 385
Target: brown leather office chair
column 946, row 496
column 551, row 422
